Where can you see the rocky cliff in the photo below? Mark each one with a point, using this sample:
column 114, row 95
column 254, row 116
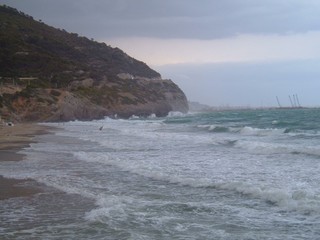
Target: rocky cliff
column 48, row 74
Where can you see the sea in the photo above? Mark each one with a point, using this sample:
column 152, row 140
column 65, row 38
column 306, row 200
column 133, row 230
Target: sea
column 236, row 174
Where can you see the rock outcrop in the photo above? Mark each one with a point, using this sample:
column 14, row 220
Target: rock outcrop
column 48, row 74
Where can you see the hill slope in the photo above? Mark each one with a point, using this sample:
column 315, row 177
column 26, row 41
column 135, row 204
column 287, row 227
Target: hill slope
column 48, row 74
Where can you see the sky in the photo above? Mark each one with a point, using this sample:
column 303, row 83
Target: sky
column 219, row 52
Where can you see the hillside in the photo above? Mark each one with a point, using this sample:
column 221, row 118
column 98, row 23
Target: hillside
column 48, row 74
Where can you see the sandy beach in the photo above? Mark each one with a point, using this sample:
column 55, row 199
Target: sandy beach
column 19, row 136
column 12, row 139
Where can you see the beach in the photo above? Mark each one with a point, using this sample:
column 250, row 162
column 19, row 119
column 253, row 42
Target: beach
column 13, row 139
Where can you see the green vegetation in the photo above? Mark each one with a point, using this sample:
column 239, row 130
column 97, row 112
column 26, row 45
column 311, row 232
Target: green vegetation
column 31, row 48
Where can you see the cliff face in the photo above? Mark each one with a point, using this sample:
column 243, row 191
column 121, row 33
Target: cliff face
column 49, row 74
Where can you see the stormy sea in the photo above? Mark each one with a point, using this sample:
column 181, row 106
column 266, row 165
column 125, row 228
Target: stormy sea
column 237, row 174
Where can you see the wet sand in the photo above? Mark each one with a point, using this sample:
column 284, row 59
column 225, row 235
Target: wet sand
column 13, row 139
column 10, row 188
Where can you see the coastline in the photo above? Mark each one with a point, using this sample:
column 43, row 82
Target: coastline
column 12, row 140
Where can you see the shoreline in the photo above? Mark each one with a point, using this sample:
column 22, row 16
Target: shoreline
column 12, row 140
column 20, row 135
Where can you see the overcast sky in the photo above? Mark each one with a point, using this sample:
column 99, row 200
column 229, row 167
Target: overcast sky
column 220, row 52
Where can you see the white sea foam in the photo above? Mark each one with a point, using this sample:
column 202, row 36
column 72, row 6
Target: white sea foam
column 111, row 207
column 259, row 147
column 176, row 114
column 291, row 200
column 152, row 116
column 261, row 132
column 217, row 128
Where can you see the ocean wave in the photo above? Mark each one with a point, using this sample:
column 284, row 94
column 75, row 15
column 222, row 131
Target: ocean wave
column 261, row 132
column 176, row 114
column 257, row 147
column 293, row 200
column 109, row 207
column 301, row 200
column 215, row 128
column 246, row 130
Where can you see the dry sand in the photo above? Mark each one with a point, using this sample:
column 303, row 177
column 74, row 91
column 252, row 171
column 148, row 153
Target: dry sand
column 12, row 139
column 19, row 136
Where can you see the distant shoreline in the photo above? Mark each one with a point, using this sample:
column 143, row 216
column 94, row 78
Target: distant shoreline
column 217, row 109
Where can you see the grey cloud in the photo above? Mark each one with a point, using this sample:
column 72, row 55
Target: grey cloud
column 204, row 19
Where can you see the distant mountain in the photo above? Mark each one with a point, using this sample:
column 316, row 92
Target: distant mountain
column 199, row 107
column 48, row 74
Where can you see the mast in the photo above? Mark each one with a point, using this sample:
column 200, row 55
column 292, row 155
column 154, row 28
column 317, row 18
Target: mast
column 291, row 101
column 298, row 100
column 294, row 100
column 278, row 102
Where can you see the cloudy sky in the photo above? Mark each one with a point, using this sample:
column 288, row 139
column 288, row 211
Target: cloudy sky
column 220, row 52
